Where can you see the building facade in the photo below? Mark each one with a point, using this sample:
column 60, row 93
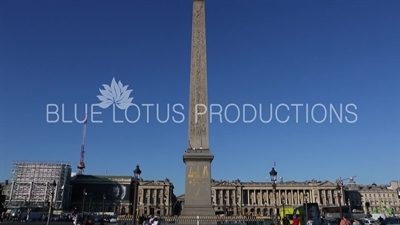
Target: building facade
column 31, row 184
column 90, row 191
column 256, row 198
column 156, row 197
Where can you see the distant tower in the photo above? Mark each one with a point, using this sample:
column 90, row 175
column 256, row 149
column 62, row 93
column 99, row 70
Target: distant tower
column 81, row 166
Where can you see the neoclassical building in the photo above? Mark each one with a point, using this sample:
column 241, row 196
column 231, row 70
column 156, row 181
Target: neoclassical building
column 155, row 197
column 241, row 198
column 381, row 198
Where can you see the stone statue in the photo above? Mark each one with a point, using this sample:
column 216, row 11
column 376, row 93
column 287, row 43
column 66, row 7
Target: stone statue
column 265, row 197
column 252, row 196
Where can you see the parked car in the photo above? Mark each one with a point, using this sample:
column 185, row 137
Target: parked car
column 368, row 221
column 391, row 221
column 113, row 219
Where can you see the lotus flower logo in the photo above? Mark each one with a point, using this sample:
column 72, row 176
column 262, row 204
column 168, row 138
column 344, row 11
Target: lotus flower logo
column 116, row 94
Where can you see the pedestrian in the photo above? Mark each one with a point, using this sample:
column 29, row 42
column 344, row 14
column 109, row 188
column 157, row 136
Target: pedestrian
column 345, row 221
column 296, row 220
column 356, row 222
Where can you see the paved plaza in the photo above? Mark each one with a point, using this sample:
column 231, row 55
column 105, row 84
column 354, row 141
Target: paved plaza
column 44, row 223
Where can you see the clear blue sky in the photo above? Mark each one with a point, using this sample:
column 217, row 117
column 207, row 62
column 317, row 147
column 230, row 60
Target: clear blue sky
column 269, row 52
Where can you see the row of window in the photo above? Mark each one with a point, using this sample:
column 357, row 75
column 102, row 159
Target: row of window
column 380, row 195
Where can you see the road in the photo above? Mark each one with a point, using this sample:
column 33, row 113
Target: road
column 37, row 223
column 44, row 223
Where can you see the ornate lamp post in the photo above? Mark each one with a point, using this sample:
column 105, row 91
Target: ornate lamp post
column 53, row 185
column 273, row 174
column 283, row 200
column 367, row 205
column 165, row 203
column 339, row 193
column 104, row 198
column 306, row 206
column 83, row 204
column 398, row 191
column 350, row 210
column 136, row 180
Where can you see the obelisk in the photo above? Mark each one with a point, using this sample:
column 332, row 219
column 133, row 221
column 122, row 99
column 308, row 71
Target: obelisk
column 198, row 157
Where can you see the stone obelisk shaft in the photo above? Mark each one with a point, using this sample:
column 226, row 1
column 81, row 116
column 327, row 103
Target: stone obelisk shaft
column 198, row 114
column 198, row 157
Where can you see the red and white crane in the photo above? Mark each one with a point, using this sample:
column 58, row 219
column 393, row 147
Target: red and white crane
column 81, row 166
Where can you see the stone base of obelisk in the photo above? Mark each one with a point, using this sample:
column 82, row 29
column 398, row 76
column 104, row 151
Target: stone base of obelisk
column 198, row 184
column 194, row 211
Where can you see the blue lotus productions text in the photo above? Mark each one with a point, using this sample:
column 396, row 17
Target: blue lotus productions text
column 230, row 113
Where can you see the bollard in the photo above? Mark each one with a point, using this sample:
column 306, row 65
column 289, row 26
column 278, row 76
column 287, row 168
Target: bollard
column 198, row 220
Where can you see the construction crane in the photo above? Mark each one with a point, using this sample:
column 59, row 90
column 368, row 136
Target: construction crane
column 81, row 166
column 349, row 178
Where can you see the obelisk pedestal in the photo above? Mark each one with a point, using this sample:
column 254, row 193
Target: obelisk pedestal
column 198, row 157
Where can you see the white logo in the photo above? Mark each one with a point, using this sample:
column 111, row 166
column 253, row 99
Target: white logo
column 116, row 94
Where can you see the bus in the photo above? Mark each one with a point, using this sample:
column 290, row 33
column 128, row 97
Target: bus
column 290, row 211
column 351, row 212
column 310, row 210
column 30, row 213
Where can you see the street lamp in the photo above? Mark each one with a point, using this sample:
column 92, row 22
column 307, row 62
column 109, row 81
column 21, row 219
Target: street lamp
column 136, row 179
column 102, row 215
column 306, row 206
column 350, row 210
column 273, row 174
column 165, row 202
column 53, row 185
column 367, row 205
column 398, row 191
column 83, row 204
column 283, row 200
column 339, row 193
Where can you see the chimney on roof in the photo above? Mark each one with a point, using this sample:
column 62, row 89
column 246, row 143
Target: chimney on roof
column 6, row 182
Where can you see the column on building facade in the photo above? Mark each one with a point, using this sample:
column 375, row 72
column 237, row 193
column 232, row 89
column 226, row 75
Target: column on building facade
column 323, row 196
column 248, row 197
column 217, row 196
column 298, row 196
column 320, row 196
column 234, row 198
column 148, row 195
column 222, row 197
column 161, row 201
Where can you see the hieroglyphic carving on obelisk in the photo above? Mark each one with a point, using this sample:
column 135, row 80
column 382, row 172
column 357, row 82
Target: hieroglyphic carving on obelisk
column 198, row 114
column 198, row 157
